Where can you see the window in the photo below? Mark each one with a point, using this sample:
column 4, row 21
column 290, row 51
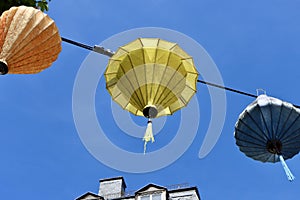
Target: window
column 155, row 196
column 147, row 197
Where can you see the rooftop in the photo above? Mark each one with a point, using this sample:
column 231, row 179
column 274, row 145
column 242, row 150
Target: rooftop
column 114, row 189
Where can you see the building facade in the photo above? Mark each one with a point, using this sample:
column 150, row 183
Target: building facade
column 115, row 189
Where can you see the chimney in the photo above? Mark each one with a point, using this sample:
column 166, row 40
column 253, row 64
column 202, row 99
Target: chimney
column 112, row 188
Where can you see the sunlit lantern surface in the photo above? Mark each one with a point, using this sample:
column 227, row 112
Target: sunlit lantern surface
column 268, row 130
column 151, row 77
column 29, row 41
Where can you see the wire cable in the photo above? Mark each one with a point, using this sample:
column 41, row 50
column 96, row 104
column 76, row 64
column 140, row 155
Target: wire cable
column 110, row 53
column 95, row 48
column 227, row 88
column 233, row 90
column 77, row 44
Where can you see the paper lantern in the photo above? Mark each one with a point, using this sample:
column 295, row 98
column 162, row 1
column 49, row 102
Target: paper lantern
column 29, row 41
column 268, row 130
column 151, row 77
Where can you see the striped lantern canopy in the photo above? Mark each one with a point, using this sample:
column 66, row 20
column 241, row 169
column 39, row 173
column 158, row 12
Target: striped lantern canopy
column 29, row 41
column 268, row 130
column 151, row 77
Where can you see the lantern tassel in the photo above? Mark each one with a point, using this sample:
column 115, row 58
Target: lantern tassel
column 288, row 173
column 148, row 135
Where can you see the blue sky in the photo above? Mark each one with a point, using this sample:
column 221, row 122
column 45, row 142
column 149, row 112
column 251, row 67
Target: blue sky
column 254, row 45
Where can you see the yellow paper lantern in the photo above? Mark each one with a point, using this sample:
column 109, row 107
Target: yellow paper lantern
column 151, row 77
column 29, row 41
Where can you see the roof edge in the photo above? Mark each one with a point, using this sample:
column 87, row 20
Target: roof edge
column 186, row 189
column 89, row 193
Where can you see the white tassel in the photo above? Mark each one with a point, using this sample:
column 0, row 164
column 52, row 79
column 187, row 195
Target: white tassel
column 148, row 135
column 288, row 173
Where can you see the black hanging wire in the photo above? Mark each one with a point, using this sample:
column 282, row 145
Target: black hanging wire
column 233, row 90
column 95, row 48
column 109, row 53
column 77, row 44
column 227, row 88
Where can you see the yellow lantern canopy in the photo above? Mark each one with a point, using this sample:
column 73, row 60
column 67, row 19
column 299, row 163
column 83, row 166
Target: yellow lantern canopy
column 151, row 77
column 29, row 41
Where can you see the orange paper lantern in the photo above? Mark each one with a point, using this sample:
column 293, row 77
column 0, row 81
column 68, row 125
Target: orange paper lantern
column 29, row 41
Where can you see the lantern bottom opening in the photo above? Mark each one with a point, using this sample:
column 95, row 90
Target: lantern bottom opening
column 150, row 111
column 274, row 146
column 3, row 68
